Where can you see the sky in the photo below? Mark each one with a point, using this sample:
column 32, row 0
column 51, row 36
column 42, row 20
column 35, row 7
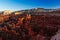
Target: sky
column 28, row 4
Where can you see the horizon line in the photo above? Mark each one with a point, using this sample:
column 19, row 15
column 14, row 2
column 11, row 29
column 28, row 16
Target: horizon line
column 29, row 8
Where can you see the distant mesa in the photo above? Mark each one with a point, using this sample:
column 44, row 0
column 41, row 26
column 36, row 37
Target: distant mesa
column 30, row 11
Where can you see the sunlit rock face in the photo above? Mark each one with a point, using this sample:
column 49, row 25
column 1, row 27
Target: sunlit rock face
column 7, row 12
column 32, row 24
column 18, row 13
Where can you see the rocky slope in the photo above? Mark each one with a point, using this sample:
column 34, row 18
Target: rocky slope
column 29, row 24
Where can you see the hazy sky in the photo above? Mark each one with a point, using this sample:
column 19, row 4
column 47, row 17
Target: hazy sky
column 27, row 4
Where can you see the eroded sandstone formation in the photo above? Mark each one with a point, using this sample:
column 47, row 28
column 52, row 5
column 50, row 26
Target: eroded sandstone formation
column 29, row 26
